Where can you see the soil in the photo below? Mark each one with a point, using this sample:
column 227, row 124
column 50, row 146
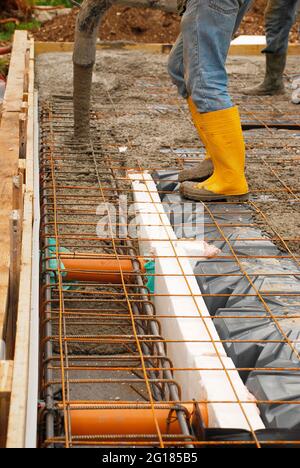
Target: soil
column 143, row 25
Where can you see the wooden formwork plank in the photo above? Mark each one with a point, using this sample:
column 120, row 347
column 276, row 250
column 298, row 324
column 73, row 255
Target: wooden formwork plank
column 235, row 49
column 30, row 121
column 9, row 158
column 19, row 395
column 14, row 272
column 6, row 369
column 5, row 376
column 47, row 47
column 256, row 49
column 22, row 169
column 15, row 82
column 18, row 403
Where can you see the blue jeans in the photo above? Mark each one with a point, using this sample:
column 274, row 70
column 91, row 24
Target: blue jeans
column 197, row 60
column 280, row 16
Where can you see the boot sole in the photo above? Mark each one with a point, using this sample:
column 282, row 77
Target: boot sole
column 214, row 196
column 195, row 179
column 264, row 93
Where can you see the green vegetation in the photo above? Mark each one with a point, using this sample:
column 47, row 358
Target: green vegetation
column 66, row 3
column 7, row 30
column 4, row 64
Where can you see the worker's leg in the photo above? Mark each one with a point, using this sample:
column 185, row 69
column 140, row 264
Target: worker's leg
column 207, row 29
column 205, row 168
column 175, row 61
column 244, row 7
column 280, row 16
column 176, row 72
column 175, row 67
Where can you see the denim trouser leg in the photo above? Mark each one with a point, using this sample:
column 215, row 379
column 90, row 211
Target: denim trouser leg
column 280, row 16
column 197, row 61
column 175, row 67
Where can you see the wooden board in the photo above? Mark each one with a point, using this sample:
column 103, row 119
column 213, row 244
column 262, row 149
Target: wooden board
column 9, row 158
column 6, row 369
column 15, row 82
column 235, row 49
column 19, row 394
column 47, row 47
column 9, row 164
column 256, row 49
column 18, row 404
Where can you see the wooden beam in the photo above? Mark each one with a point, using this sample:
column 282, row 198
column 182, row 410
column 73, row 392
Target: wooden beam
column 22, row 134
column 15, row 82
column 14, row 278
column 18, row 192
column 22, row 169
column 238, row 49
column 256, row 49
column 6, row 370
column 47, row 47
column 18, row 404
column 30, row 121
column 19, row 394
column 10, row 195
column 9, row 159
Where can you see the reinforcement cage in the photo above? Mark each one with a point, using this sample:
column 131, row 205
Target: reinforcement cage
column 101, row 336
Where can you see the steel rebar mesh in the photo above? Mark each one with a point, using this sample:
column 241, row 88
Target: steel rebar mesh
column 101, row 342
column 98, row 339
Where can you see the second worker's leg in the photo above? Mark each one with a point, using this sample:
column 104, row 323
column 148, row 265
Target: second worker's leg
column 280, row 16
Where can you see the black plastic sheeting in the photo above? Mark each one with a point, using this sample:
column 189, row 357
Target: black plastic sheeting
column 267, row 438
column 239, row 314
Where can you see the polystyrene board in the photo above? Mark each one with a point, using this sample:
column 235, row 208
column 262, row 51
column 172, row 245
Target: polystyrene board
column 178, row 295
column 215, row 386
column 150, row 216
column 188, row 352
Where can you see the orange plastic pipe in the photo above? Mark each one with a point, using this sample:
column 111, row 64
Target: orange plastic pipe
column 100, row 270
column 127, row 421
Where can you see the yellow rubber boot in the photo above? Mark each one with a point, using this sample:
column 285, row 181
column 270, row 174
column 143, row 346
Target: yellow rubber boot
column 204, row 169
column 221, row 132
column 194, row 113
